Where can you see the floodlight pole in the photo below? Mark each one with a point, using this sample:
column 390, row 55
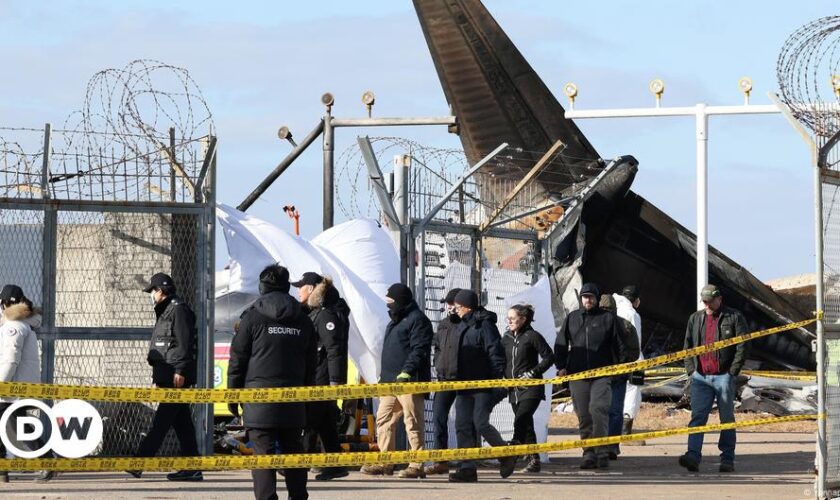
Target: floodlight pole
column 701, row 113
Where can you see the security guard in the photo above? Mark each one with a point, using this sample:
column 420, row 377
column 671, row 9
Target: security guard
column 274, row 347
column 172, row 355
column 330, row 316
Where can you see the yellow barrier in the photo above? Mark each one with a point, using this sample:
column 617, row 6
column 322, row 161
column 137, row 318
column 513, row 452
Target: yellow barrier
column 328, row 393
column 230, row 462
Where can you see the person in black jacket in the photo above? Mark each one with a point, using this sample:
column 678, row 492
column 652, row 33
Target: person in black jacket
column 405, row 358
column 591, row 338
column 274, row 347
column 480, row 357
column 713, row 374
column 528, row 356
column 172, row 355
column 330, row 315
column 445, row 350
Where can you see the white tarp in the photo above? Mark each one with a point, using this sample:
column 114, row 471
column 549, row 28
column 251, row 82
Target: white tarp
column 359, row 256
column 539, row 296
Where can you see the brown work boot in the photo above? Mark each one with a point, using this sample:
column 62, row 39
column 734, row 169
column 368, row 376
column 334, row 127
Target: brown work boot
column 412, row 473
column 378, row 470
column 437, row 468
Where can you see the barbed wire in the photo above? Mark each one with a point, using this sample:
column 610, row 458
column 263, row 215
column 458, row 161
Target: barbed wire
column 808, row 70
column 121, row 130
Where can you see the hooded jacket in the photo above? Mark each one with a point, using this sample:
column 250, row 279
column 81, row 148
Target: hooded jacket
column 445, row 343
column 526, row 353
column 407, row 346
column 275, row 347
column 330, row 316
column 19, row 358
column 591, row 339
column 480, row 352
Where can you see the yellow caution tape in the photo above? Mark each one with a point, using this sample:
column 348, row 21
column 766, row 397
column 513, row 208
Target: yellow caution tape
column 785, row 375
column 328, row 393
column 232, row 462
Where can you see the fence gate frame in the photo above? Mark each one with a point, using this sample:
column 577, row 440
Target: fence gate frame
column 201, row 224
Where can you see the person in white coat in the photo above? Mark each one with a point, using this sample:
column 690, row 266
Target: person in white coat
column 19, row 358
column 627, row 303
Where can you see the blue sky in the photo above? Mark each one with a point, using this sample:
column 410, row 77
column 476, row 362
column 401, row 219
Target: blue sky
column 265, row 64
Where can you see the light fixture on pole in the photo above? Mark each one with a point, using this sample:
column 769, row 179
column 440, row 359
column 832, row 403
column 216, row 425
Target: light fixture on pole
column 657, row 88
column 368, row 99
column 328, row 100
column 286, row 134
column 745, row 84
column 571, row 91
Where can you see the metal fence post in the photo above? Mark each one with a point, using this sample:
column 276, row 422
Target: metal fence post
column 49, row 265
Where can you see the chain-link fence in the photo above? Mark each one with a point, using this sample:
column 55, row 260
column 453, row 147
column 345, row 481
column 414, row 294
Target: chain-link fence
column 81, row 233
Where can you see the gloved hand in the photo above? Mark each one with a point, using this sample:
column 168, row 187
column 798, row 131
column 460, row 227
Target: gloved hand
column 403, row 377
column 233, row 408
column 529, row 374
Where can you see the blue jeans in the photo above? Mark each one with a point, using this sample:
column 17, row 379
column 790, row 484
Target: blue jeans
column 618, row 386
column 704, row 390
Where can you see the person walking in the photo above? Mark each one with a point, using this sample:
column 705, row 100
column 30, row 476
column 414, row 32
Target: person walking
column 330, row 317
column 172, row 355
column 406, row 353
column 527, row 356
column 445, row 355
column 713, row 375
column 275, row 346
column 591, row 338
column 480, row 357
column 627, row 304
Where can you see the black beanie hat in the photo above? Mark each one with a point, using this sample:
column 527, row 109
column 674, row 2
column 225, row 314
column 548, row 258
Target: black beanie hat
column 400, row 294
column 450, row 296
column 467, row 298
column 274, row 278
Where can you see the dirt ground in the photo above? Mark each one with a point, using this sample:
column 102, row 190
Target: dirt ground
column 772, row 462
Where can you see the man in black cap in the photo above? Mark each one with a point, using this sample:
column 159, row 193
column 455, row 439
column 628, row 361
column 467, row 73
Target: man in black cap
column 713, row 374
column 445, row 350
column 405, row 358
column 330, row 316
column 276, row 346
column 481, row 356
column 591, row 338
column 172, row 355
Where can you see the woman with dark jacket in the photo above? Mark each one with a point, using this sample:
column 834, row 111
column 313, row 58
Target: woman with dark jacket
column 527, row 355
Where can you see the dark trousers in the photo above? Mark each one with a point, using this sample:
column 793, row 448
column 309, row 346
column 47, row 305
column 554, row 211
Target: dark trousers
column 592, row 398
column 265, row 480
column 472, row 413
column 322, row 420
column 616, row 416
column 523, row 421
column 176, row 416
column 441, row 405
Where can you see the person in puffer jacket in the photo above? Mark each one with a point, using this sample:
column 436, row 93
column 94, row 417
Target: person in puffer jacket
column 19, row 358
column 480, row 357
column 528, row 356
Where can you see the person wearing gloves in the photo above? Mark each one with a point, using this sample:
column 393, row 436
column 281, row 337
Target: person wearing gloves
column 19, row 358
column 330, row 316
column 172, row 355
column 274, row 347
column 480, row 357
column 406, row 353
column 528, row 356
